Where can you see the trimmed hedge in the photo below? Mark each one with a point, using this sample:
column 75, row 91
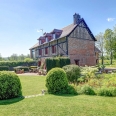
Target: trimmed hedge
column 56, row 62
column 4, row 68
column 16, row 63
column 10, row 86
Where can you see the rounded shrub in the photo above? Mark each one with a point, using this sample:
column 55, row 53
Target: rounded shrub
column 56, row 81
column 10, row 86
column 73, row 73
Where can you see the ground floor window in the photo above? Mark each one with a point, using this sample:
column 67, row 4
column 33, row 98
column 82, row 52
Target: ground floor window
column 46, row 50
column 53, row 49
column 40, row 51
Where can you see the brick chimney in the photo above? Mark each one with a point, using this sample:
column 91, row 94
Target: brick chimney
column 76, row 18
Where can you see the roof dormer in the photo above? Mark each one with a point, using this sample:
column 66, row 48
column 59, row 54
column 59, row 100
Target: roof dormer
column 56, row 33
column 42, row 39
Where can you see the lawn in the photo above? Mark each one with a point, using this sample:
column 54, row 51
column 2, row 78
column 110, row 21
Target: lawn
column 108, row 65
column 53, row 105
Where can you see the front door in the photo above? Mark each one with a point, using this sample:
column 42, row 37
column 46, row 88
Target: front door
column 77, row 62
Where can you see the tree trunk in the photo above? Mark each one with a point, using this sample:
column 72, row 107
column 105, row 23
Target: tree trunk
column 102, row 59
column 111, row 58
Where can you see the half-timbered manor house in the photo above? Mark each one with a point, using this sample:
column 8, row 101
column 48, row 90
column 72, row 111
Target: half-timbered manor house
column 75, row 41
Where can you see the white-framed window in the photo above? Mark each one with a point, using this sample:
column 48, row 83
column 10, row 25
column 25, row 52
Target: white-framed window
column 46, row 39
column 40, row 42
column 54, row 36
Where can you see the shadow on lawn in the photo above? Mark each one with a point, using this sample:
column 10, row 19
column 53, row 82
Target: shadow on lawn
column 11, row 101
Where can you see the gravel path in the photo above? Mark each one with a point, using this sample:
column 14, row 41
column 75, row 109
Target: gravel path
column 36, row 74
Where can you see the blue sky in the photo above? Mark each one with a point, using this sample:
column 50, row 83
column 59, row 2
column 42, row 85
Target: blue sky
column 20, row 20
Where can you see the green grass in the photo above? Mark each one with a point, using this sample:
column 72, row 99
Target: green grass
column 32, row 85
column 53, row 105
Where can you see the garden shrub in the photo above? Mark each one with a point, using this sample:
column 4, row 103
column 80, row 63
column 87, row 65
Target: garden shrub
column 4, row 68
column 87, row 90
column 110, row 81
column 113, row 91
column 95, row 82
column 73, row 73
column 88, row 72
column 56, row 81
column 105, row 91
column 10, row 86
column 71, row 90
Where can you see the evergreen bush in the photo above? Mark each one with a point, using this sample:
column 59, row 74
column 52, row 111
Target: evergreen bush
column 73, row 73
column 56, row 62
column 10, row 86
column 56, row 81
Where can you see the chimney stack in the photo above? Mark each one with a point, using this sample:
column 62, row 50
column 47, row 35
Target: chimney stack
column 76, row 18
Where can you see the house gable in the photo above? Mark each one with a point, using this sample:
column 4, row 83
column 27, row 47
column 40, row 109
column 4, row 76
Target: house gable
column 82, row 31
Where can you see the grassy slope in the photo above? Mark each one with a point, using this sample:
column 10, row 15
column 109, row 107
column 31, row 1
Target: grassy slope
column 51, row 105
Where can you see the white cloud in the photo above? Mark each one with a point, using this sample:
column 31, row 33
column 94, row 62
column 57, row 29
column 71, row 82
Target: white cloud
column 110, row 19
column 41, row 30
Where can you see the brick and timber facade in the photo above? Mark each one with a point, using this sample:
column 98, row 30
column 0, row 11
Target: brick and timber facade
column 75, row 41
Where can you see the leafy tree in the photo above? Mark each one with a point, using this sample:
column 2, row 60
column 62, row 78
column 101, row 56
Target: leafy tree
column 0, row 57
column 109, row 42
column 100, row 45
column 14, row 57
column 114, row 42
column 28, row 59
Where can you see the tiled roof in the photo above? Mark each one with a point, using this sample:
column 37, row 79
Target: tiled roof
column 36, row 45
column 67, row 30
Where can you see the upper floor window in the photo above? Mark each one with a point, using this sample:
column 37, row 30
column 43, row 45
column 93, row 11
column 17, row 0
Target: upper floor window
column 53, row 49
column 46, row 50
column 46, row 39
column 40, row 42
column 54, row 36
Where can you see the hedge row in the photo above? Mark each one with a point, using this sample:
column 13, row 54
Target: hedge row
column 16, row 63
column 4, row 68
column 56, row 62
